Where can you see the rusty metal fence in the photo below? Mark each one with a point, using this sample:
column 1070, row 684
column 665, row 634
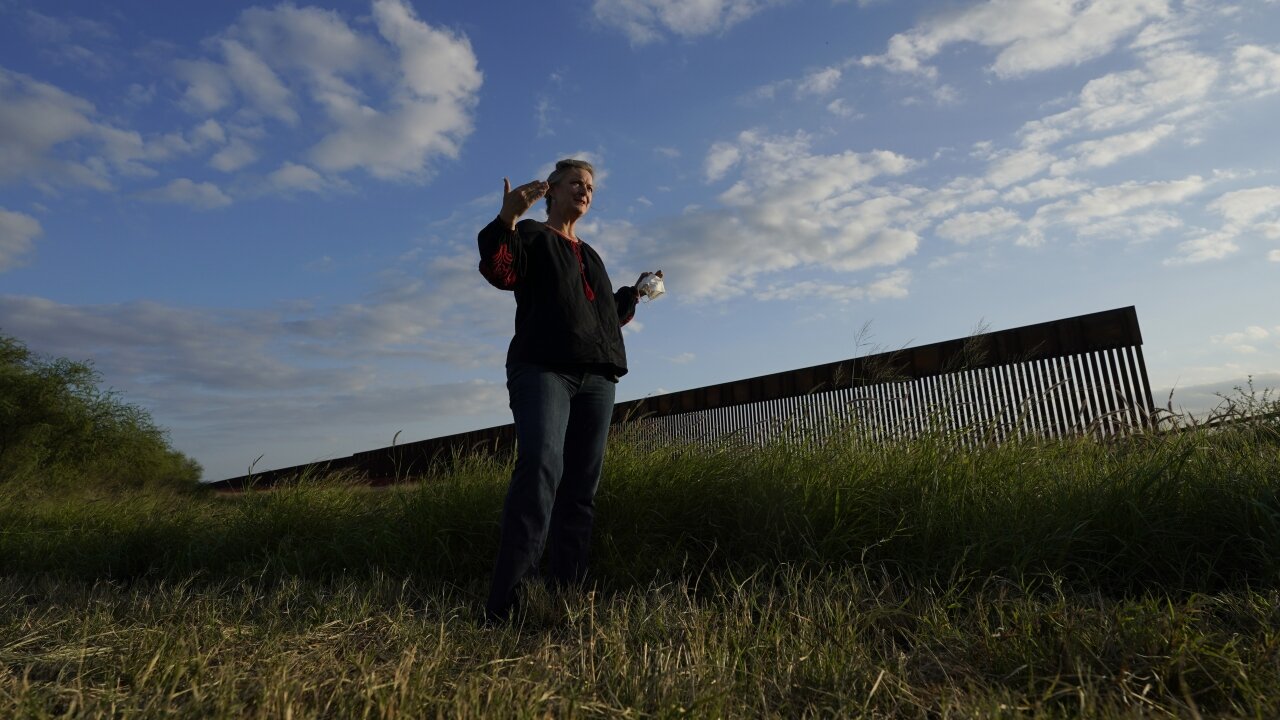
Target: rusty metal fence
column 1082, row 374
column 1069, row 376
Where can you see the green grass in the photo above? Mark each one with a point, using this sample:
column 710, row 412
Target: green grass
column 1135, row 578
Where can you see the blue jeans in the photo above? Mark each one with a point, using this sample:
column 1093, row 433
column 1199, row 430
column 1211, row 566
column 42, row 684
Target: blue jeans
column 562, row 424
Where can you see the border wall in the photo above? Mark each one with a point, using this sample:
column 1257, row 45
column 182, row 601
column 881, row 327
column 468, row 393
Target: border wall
column 1077, row 375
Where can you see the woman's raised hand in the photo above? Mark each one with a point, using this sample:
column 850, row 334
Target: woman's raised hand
column 518, row 201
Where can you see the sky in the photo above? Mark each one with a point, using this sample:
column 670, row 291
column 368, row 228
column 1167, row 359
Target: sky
column 258, row 220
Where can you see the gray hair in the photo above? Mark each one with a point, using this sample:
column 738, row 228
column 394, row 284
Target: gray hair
column 562, row 168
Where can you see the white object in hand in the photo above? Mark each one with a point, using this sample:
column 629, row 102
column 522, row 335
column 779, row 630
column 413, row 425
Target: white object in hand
column 651, row 288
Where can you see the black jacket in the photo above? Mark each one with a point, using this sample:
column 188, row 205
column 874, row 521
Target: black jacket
column 567, row 314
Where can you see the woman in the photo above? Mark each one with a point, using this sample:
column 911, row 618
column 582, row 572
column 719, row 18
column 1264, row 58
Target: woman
column 562, row 367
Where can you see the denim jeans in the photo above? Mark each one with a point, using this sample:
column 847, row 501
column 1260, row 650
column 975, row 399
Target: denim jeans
column 562, row 423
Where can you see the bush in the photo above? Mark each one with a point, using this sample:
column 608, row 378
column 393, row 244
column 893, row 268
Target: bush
column 58, row 428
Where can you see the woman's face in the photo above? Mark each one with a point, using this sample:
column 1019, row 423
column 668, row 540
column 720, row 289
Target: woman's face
column 571, row 195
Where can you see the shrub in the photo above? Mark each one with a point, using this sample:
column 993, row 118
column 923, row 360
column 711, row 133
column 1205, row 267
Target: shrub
column 58, row 428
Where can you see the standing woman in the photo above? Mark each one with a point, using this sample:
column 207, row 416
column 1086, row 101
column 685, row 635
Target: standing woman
column 562, row 367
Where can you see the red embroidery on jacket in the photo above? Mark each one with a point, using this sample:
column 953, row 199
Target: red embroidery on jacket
column 582, row 270
column 503, row 268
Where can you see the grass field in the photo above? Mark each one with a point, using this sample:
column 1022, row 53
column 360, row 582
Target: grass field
column 1059, row 579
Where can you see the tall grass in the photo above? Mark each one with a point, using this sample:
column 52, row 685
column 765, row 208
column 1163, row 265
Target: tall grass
column 1127, row 578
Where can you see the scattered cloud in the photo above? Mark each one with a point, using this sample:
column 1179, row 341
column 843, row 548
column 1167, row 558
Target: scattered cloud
column 209, row 88
column 17, row 233
column 683, row 358
column 1245, row 207
column 820, row 82
column 1255, row 70
column 1176, row 81
column 646, row 21
column 787, row 207
column 839, row 108
column 1013, row 166
column 1030, row 35
column 886, row 286
column 1112, row 200
column 1250, row 211
column 1244, row 341
column 183, row 191
column 964, row 228
column 290, row 178
column 1207, row 246
column 542, row 111
column 1046, row 189
column 720, row 159
column 412, row 107
column 37, row 121
column 168, row 345
column 1131, row 228
column 1106, row 151
column 238, row 153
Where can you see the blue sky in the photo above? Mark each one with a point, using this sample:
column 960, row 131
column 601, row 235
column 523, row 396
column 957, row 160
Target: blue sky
column 258, row 220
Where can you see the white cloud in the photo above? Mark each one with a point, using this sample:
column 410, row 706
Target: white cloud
column 891, row 285
column 393, row 102
column 1166, row 82
column 1092, row 32
column 1253, row 211
column 820, row 82
column 1256, row 70
column 291, row 177
column 542, row 112
column 1139, row 227
column 1031, row 35
column 439, row 83
column 209, row 131
column 1046, row 189
column 260, row 85
column 967, row 227
column 683, row 358
column 238, row 153
column 1209, row 246
column 1106, row 151
column 788, row 207
column 838, row 108
column 183, row 191
column 1017, row 165
column 52, row 138
column 164, row 343
column 17, row 231
column 1243, row 207
column 644, row 21
column 720, row 159
column 1243, row 341
column 36, row 118
column 886, row 286
column 209, row 87
column 1119, row 199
